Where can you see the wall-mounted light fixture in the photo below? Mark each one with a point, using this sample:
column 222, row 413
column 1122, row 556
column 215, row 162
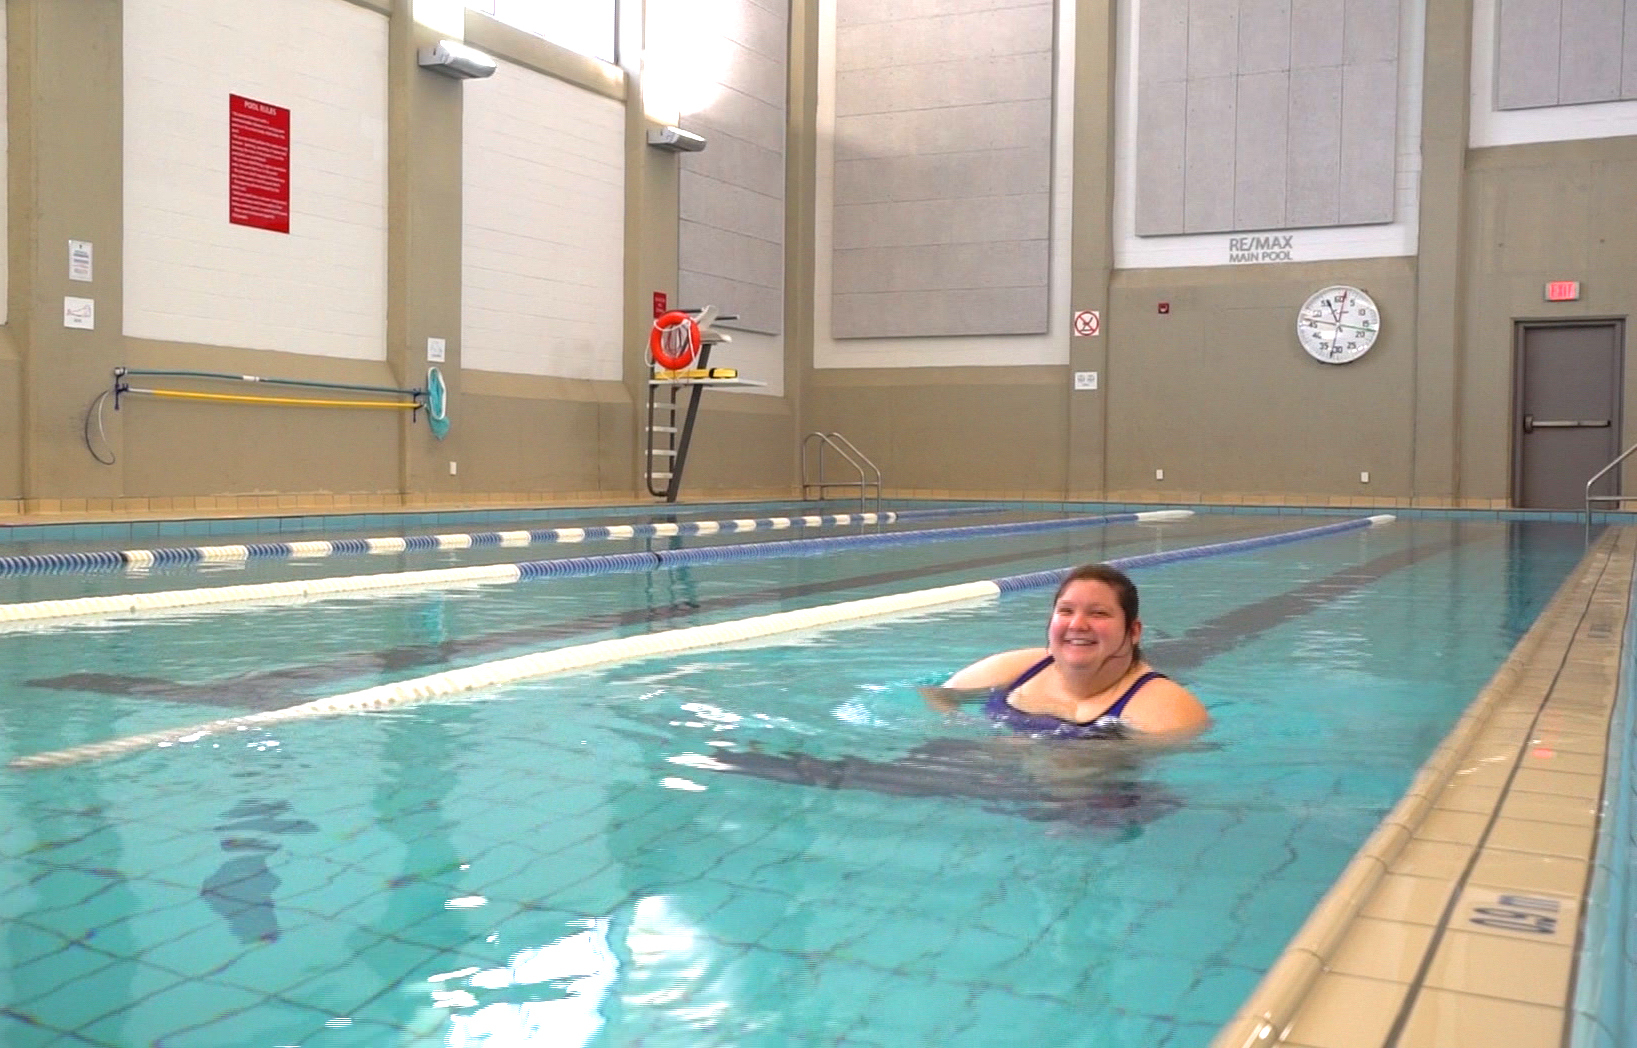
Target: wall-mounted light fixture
column 452, row 58
column 675, row 140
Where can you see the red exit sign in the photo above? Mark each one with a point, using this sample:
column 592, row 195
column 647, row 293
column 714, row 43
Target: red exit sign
column 1563, row 291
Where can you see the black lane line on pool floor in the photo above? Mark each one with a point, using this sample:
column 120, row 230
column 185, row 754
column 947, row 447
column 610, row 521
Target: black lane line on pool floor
column 272, row 689
column 951, row 768
column 1231, row 629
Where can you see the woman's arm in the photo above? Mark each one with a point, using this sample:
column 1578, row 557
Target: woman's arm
column 975, row 683
column 996, row 671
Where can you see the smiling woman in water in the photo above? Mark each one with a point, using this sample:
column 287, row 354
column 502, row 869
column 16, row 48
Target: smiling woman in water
column 1090, row 680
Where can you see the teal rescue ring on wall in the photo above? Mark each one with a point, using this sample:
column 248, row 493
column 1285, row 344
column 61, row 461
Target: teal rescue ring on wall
column 436, row 415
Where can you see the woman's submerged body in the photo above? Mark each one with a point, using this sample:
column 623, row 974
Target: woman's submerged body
column 1090, row 680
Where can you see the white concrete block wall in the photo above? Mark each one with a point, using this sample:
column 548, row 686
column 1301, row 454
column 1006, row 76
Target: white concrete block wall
column 543, row 225
column 190, row 275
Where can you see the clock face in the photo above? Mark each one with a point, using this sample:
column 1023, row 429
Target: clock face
column 1338, row 324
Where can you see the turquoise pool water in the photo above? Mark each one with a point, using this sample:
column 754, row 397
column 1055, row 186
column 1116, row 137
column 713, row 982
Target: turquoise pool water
column 575, row 861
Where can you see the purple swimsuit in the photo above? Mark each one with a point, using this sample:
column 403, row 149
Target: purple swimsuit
column 1105, row 726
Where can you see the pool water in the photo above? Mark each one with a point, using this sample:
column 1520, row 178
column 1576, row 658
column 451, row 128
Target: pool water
column 774, row 844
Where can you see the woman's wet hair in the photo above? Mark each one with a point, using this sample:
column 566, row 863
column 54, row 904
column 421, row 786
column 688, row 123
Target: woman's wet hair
column 1125, row 591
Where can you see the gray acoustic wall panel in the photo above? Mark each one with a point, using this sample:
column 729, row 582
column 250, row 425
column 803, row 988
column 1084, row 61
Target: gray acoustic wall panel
column 1260, row 151
column 731, row 232
column 942, row 177
column 1628, row 53
column 1266, row 114
column 1565, row 52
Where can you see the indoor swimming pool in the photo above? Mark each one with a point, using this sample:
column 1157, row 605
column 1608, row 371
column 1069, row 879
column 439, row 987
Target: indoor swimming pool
column 772, row 843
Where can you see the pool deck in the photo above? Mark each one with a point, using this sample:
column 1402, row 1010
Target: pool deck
column 1457, row 923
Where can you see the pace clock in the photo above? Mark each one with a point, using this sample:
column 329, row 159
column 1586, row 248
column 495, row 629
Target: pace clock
column 1338, row 324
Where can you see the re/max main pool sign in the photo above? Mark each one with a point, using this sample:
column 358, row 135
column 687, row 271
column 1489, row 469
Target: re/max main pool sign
column 1278, row 247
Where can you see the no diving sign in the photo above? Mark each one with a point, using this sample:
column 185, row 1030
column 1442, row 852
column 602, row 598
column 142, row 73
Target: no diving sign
column 1087, row 322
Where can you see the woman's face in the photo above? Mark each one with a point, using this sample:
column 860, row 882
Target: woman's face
column 1088, row 627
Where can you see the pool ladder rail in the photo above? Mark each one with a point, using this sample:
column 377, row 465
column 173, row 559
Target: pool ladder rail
column 853, row 457
column 1616, row 499
column 673, row 406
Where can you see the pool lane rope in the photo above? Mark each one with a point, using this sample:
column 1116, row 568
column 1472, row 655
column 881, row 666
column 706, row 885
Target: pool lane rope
column 668, row 642
column 562, row 567
column 113, row 560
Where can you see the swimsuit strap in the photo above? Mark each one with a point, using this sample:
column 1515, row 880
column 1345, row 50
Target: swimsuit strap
column 1119, row 703
column 1028, row 675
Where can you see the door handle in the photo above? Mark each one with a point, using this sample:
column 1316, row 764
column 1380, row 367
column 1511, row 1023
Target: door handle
column 1530, row 423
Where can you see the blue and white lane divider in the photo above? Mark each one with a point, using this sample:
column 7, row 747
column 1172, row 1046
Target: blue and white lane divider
column 667, row 642
column 1037, row 579
column 113, row 560
column 563, row 567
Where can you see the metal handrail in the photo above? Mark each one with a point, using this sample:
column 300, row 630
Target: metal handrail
column 855, row 458
column 1590, row 498
column 865, row 459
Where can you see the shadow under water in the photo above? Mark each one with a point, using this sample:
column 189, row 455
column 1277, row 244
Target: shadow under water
column 1093, row 785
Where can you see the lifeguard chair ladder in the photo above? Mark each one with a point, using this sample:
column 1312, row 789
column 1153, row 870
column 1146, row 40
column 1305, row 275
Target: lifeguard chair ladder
column 673, row 406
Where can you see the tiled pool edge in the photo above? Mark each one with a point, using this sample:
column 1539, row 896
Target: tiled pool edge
column 1275, row 1010
column 1605, row 987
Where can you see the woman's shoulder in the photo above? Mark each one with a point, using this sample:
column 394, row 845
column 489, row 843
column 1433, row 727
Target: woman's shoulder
column 996, row 670
column 1162, row 705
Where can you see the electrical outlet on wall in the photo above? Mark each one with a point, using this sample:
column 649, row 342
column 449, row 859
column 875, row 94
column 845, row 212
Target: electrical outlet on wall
column 1159, row 474
column 1364, row 477
column 451, row 467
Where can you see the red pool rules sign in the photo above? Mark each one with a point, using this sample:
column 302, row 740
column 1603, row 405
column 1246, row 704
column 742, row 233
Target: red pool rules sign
column 258, row 164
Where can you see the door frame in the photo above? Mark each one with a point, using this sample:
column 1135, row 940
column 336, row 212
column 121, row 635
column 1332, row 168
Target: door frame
column 1520, row 328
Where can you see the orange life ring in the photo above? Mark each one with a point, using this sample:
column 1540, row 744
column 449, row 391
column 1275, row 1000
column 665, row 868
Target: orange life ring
column 674, row 331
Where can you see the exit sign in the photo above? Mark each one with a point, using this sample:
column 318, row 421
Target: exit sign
column 1563, row 291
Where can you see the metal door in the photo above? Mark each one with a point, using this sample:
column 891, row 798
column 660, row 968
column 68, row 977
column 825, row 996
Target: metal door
column 1567, row 423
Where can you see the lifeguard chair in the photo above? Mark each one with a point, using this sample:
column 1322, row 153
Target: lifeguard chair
column 678, row 355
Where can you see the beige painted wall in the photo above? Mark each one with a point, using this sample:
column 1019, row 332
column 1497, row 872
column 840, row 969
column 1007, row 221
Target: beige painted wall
column 64, row 183
column 1216, row 392
column 1535, row 213
column 1219, row 395
column 975, row 430
column 11, row 430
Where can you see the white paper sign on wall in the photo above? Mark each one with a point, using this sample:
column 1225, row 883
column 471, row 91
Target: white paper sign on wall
column 79, row 260
column 79, row 313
